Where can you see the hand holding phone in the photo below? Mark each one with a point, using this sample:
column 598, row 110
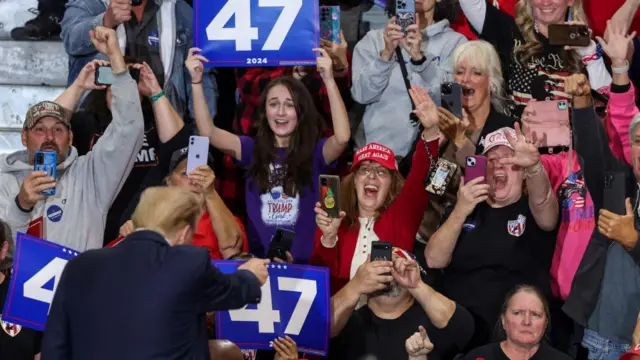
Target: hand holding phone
column 451, row 98
column 280, row 244
column 614, row 192
column 33, row 186
column 198, row 153
column 476, row 166
column 470, row 195
column 46, row 161
column 104, row 75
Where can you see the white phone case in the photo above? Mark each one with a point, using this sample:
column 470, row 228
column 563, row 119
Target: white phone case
column 198, row 152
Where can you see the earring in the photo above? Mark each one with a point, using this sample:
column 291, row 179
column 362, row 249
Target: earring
column 535, row 24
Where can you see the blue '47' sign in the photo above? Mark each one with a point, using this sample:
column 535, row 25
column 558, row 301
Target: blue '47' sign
column 241, row 33
column 37, row 267
column 295, row 302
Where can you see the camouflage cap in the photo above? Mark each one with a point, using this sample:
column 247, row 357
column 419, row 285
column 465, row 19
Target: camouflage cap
column 44, row 109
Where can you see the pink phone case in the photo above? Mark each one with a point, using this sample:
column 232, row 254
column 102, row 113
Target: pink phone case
column 476, row 166
column 549, row 121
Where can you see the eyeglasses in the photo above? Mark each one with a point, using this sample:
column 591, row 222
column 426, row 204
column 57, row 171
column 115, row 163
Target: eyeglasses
column 378, row 170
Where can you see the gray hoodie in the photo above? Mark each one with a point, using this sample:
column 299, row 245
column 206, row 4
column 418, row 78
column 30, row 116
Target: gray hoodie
column 379, row 84
column 86, row 185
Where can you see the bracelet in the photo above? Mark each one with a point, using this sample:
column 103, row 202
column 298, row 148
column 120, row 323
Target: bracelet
column 593, row 57
column 21, row 208
column 196, row 83
column 419, row 62
column 538, row 169
column 432, row 161
column 621, row 70
column 157, row 96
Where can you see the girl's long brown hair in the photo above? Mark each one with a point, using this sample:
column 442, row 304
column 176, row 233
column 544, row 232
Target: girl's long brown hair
column 298, row 161
column 349, row 197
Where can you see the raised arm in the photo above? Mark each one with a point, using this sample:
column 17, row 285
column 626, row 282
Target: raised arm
column 221, row 139
column 233, row 291
column 168, row 122
column 372, row 66
column 440, row 246
column 337, row 143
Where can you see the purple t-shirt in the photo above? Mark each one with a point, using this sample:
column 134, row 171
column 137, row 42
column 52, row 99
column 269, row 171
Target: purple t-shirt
column 274, row 209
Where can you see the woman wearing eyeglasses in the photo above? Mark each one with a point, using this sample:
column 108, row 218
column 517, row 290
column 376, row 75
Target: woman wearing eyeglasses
column 377, row 203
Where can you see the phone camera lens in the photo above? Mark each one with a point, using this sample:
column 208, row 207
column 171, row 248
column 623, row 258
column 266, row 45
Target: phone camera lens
column 447, row 89
column 471, row 162
column 583, row 32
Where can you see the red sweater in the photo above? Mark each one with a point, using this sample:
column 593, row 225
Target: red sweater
column 398, row 224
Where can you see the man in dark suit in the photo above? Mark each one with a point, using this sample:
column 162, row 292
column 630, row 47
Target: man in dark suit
column 146, row 298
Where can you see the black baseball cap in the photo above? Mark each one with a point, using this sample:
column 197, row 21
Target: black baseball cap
column 182, row 154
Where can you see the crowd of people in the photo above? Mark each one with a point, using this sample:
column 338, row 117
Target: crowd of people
column 529, row 260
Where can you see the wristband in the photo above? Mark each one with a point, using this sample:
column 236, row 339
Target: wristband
column 21, row 208
column 593, row 57
column 621, row 70
column 196, row 83
column 157, row 96
column 538, row 168
column 419, row 62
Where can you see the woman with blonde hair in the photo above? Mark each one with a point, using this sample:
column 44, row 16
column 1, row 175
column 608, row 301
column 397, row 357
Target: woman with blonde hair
column 533, row 68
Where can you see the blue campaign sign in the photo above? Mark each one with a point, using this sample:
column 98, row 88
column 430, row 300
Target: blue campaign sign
column 242, row 33
column 37, row 266
column 295, row 302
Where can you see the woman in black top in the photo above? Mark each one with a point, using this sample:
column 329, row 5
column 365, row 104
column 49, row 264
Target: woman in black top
column 524, row 319
column 486, row 248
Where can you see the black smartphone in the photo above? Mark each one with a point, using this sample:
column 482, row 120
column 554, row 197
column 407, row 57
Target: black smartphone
column 451, row 98
column 381, row 250
column 569, row 35
column 614, row 192
column 281, row 242
column 330, row 194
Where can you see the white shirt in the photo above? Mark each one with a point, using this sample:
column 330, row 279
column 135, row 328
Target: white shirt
column 363, row 251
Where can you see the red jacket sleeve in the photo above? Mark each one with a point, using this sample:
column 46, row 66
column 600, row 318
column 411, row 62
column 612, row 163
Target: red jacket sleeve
column 599, row 11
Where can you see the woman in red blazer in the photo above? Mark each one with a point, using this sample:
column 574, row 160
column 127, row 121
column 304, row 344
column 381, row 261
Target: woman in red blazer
column 378, row 204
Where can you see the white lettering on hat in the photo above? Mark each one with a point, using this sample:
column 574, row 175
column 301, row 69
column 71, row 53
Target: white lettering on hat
column 380, row 155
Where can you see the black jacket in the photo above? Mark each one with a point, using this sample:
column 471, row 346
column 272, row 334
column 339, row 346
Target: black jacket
column 592, row 145
column 141, row 299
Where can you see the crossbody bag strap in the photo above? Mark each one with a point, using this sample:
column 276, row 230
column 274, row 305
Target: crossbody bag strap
column 405, row 77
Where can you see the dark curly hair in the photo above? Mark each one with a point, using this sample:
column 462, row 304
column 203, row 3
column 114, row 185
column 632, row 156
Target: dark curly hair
column 444, row 10
column 298, row 161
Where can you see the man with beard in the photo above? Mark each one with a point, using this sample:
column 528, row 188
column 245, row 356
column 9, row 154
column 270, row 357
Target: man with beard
column 399, row 302
column 85, row 186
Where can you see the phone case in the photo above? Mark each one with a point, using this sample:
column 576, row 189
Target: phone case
column 548, row 122
column 381, row 250
column 451, row 98
column 614, row 192
column 280, row 243
column 330, row 23
column 569, row 35
column 198, row 152
column 46, row 161
column 330, row 195
column 104, row 75
column 476, row 166
column 405, row 13
column 440, row 176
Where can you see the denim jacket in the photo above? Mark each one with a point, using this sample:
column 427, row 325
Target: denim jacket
column 84, row 15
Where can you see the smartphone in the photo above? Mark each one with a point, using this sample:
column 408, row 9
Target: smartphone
column 46, row 161
column 330, row 195
column 281, row 242
column 476, row 166
column 198, row 152
column 330, row 23
column 136, row 2
column 548, row 121
column 614, row 192
column 451, row 98
column 104, row 75
column 569, row 35
column 405, row 13
column 381, row 250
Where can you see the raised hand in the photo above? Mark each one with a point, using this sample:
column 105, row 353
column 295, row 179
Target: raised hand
column 147, row 82
column 426, row 109
column 329, row 226
column 577, row 85
column 392, row 36
column 118, row 12
column 452, row 127
column 470, row 195
column 618, row 44
column 286, row 348
column 204, row 177
column 373, row 276
column 258, row 267
column 324, row 65
column 418, row 345
column 620, row 228
column 406, row 273
column 87, row 77
column 526, row 152
column 33, row 186
column 127, row 228
column 194, row 65
column 105, row 40
column 338, row 52
column 412, row 43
